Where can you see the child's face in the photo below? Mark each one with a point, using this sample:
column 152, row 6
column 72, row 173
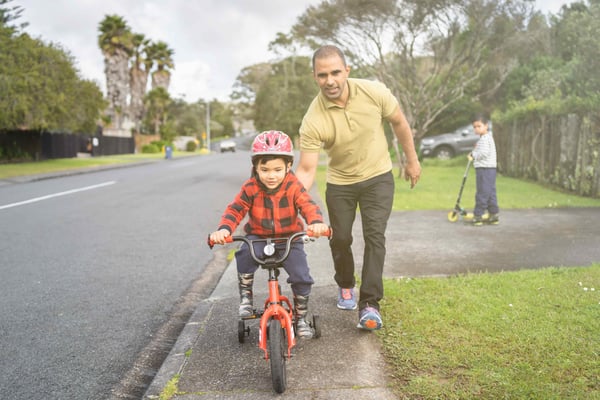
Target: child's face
column 480, row 127
column 272, row 172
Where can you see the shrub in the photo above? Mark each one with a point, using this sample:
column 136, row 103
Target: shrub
column 191, row 145
column 150, row 148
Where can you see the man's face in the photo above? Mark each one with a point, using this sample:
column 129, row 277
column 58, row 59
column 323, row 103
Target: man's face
column 331, row 74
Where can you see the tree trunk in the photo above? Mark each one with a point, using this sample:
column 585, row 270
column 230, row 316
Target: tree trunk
column 117, row 85
column 139, row 81
column 161, row 79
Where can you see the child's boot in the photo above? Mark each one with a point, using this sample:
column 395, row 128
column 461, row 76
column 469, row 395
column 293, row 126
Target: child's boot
column 303, row 328
column 245, row 282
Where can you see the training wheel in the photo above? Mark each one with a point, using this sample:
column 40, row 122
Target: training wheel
column 316, row 325
column 242, row 331
column 452, row 216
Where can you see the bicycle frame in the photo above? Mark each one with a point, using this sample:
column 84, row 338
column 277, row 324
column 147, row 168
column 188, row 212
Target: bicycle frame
column 278, row 309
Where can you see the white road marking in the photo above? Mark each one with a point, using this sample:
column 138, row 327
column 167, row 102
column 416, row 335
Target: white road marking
column 36, row 199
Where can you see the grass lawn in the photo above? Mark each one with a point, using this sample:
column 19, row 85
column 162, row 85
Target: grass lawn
column 64, row 164
column 530, row 334
column 440, row 182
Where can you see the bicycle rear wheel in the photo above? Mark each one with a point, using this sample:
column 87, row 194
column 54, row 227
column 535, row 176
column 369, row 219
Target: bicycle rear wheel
column 277, row 353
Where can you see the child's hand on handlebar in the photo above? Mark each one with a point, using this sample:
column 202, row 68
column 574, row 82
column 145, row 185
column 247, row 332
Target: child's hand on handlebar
column 219, row 236
column 318, row 229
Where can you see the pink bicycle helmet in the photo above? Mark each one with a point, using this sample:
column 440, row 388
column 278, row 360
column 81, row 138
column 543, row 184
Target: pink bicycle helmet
column 272, row 143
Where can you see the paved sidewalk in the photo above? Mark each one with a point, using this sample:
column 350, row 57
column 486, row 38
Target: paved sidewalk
column 344, row 363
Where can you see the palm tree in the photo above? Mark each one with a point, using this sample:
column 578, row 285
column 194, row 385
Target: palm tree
column 163, row 56
column 138, row 74
column 157, row 102
column 115, row 41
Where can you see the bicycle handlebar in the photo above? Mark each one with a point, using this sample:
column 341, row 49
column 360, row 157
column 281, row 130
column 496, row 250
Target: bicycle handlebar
column 307, row 235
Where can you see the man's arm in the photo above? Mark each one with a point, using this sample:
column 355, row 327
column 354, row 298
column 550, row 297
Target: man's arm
column 404, row 134
column 307, row 168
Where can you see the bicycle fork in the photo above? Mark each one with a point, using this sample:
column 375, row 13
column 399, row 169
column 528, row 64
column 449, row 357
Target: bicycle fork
column 274, row 310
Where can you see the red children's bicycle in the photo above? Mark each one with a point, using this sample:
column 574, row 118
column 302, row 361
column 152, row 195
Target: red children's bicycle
column 277, row 321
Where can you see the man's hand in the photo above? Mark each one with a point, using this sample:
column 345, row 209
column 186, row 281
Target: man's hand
column 412, row 172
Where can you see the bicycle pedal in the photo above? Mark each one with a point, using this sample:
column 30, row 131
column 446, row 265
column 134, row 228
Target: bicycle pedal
column 253, row 316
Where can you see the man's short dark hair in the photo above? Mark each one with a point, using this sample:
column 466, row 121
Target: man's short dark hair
column 328, row 51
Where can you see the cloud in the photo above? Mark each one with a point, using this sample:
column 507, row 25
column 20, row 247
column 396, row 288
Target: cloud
column 213, row 40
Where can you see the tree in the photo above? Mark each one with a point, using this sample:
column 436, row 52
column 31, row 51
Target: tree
column 157, row 102
column 430, row 53
column 560, row 74
column 162, row 56
column 40, row 86
column 285, row 95
column 138, row 78
column 116, row 42
column 9, row 14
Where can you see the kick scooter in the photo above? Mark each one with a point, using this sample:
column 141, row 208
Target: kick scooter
column 277, row 321
column 460, row 211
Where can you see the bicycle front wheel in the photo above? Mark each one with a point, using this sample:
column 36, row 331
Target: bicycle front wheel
column 277, row 352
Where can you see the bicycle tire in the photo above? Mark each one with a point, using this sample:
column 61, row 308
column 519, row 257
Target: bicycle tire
column 277, row 352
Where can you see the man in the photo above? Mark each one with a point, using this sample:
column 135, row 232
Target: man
column 347, row 119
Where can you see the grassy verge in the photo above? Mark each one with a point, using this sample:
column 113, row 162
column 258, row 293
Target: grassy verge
column 64, row 164
column 530, row 334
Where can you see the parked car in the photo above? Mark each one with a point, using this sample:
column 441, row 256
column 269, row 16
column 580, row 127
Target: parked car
column 448, row 145
column 227, row 145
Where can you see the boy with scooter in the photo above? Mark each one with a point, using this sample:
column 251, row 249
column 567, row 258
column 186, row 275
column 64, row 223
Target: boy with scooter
column 484, row 161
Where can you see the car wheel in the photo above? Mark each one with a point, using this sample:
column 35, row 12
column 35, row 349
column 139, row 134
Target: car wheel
column 444, row 153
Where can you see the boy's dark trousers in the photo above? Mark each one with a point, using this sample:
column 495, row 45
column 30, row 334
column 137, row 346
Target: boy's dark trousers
column 485, row 198
column 296, row 265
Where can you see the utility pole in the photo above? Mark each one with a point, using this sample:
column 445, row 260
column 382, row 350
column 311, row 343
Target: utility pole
column 208, row 125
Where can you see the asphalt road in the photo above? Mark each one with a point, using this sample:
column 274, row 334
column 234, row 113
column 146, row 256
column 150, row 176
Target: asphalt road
column 94, row 265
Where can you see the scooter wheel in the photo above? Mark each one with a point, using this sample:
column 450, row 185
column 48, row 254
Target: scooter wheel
column 452, row 216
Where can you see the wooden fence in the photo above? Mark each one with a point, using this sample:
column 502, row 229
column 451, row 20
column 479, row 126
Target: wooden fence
column 561, row 151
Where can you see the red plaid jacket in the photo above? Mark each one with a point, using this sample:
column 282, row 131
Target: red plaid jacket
column 271, row 214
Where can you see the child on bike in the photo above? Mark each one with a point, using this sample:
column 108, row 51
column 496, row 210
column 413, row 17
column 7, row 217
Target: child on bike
column 272, row 198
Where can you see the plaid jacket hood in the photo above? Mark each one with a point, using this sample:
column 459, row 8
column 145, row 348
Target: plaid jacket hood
column 271, row 214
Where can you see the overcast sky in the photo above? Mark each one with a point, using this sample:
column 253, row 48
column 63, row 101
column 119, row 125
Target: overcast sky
column 212, row 39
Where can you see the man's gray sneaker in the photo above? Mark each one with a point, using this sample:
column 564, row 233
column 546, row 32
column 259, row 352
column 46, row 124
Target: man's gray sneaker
column 346, row 299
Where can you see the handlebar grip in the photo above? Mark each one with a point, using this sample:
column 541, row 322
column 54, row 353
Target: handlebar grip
column 211, row 244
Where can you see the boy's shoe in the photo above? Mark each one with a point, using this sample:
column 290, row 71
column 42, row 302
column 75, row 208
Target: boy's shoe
column 494, row 220
column 477, row 220
column 346, row 299
column 246, row 309
column 303, row 329
column 245, row 282
column 369, row 319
